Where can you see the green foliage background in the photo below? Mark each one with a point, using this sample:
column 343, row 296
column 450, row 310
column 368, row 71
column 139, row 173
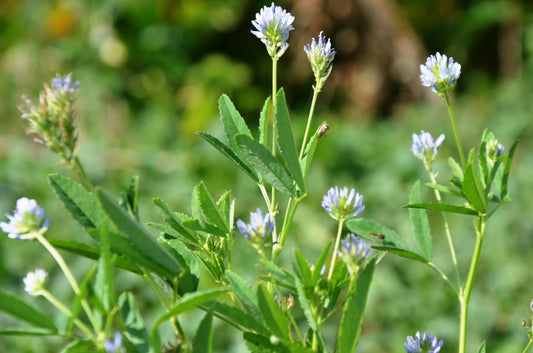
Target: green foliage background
column 151, row 74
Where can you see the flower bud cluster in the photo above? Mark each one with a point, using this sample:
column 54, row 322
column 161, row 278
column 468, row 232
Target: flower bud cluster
column 259, row 227
column 354, row 252
column 320, row 55
column 425, row 147
column 52, row 120
column 425, row 343
column 34, row 282
column 273, row 25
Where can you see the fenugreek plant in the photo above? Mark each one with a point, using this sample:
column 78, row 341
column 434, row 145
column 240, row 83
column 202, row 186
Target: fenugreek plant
column 100, row 319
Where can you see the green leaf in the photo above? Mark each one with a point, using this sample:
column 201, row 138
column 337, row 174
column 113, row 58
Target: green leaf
column 482, row 157
column 267, row 165
column 481, row 348
column 444, row 189
column 104, row 285
column 308, row 312
column 371, row 230
column 92, row 253
column 272, row 314
column 263, row 123
column 262, row 344
column 226, row 206
column 281, row 276
column 209, row 209
column 420, row 224
column 201, row 226
column 76, row 304
column 320, row 263
column 244, row 292
column 444, row 207
column 456, row 169
column 239, row 318
column 353, row 310
column 301, row 267
column 134, row 322
column 190, row 301
column 229, row 154
column 80, row 203
column 286, row 141
column 309, row 153
column 232, row 121
column 175, row 223
column 389, row 240
column 473, row 189
column 506, row 171
column 190, row 277
column 13, row 306
column 138, row 236
column 26, row 331
column 203, row 341
column 79, row 347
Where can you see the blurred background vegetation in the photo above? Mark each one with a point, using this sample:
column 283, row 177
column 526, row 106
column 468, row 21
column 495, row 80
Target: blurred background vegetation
column 151, row 73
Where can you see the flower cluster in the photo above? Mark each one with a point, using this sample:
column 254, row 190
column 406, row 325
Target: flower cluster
column 354, row 252
column 341, row 204
column 52, row 121
column 440, row 73
column 273, row 25
column 34, row 282
column 258, row 228
column 320, row 55
column 28, row 220
column 425, row 147
column 426, row 343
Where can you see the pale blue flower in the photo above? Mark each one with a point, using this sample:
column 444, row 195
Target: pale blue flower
column 440, row 73
column 34, row 282
column 531, row 305
column 27, row 221
column 259, row 226
column 320, row 55
column 343, row 204
column 273, row 25
column 425, row 147
column 354, row 252
column 427, row 343
column 115, row 345
column 64, row 84
column 355, row 247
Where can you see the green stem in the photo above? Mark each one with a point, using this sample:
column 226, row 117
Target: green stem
column 464, row 296
column 457, row 140
column 446, row 227
column 443, row 276
column 337, row 242
column 289, row 216
column 528, row 345
column 311, row 112
column 274, row 125
column 76, row 166
column 70, row 278
column 67, row 313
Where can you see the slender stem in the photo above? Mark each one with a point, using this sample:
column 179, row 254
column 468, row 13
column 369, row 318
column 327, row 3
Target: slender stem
column 457, row 140
column 274, row 125
column 446, row 227
column 70, row 278
column 311, row 112
column 289, row 216
column 78, row 168
column 443, row 276
column 464, row 297
column 528, row 345
column 337, row 242
column 67, row 313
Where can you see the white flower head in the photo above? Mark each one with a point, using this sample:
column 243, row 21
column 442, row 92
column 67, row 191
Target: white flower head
column 34, row 282
column 27, row 221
